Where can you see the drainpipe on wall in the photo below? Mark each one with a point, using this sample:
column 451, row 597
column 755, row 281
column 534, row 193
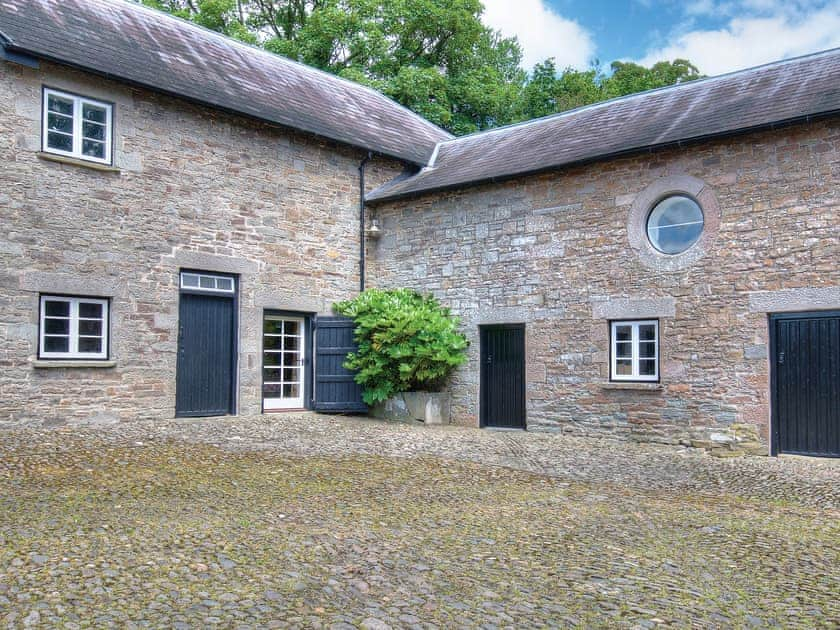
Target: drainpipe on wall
column 362, row 166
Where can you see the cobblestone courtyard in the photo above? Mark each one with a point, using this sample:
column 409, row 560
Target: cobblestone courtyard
column 314, row 521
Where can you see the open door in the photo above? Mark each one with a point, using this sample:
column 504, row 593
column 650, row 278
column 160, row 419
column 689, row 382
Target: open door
column 334, row 388
column 285, row 361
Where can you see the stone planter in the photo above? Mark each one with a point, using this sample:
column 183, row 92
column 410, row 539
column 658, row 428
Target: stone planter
column 426, row 407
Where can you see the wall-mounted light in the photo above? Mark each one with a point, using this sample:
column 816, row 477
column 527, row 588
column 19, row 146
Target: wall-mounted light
column 374, row 231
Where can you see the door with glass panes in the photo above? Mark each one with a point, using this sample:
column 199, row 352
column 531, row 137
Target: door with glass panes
column 284, row 356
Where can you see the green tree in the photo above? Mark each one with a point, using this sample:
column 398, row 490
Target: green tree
column 548, row 92
column 629, row 78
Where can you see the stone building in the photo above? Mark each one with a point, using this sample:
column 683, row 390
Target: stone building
column 662, row 266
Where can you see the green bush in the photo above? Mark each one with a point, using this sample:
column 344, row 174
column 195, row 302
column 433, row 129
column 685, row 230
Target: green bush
column 407, row 342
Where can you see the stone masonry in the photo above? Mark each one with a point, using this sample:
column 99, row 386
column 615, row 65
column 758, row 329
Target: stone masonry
column 562, row 253
column 195, row 188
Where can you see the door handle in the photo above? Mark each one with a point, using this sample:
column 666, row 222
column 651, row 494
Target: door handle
column 489, row 359
column 781, row 357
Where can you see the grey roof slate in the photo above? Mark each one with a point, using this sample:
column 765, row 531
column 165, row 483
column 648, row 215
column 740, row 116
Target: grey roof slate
column 149, row 48
column 767, row 95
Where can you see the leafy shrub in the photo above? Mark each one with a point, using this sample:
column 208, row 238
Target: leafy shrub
column 407, row 342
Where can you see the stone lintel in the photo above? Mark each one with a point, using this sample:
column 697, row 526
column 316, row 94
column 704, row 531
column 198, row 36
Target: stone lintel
column 281, row 301
column 633, row 308
column 70, row 284
column 204, row 261
column 792, row 300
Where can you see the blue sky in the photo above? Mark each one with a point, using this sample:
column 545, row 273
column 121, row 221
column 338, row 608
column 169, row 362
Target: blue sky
column 717, row 35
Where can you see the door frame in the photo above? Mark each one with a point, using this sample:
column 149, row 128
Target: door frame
column 482, row 375
column 234, row 381
column 775, row 423
column 308, row 361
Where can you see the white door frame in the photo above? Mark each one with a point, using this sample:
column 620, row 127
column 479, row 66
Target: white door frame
column 288, row 402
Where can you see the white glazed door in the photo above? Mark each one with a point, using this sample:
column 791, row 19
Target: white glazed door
column 284, row 352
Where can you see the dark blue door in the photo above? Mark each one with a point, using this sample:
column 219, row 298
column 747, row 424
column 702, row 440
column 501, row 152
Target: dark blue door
column 806, row 383
column 335, row 390
column 206, row 355
column 503, row 376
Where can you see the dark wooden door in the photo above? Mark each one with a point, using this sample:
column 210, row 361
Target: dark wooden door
column 335, row 389
column 206, row 355
column 806, row 383
column 503, row 376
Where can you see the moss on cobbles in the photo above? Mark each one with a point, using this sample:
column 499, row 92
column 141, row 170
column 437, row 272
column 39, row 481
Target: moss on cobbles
column 96, row 534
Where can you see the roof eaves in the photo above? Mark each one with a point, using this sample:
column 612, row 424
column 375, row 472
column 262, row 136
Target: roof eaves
column 380, row 195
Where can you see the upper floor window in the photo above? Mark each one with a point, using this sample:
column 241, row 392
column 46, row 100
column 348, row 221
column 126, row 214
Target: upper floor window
column 77, row 127
column 73, row 328
column 634, row 349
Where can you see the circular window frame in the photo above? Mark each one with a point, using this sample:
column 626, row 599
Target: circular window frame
column 647, row 200
column 662, row 200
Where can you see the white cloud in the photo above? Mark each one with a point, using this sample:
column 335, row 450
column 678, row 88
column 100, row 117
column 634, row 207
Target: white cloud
column 541, row 31
column 763, row 31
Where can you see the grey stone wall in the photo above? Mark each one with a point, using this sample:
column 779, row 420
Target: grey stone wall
column 559, row 252
column 195, row 188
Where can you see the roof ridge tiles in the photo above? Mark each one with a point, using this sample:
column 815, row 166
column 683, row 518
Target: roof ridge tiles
column 253, row 48
column 778, row 93
column 637, row 95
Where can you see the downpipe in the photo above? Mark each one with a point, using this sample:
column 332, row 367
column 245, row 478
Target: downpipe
column 362, row 166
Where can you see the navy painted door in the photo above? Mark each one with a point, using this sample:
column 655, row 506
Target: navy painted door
column 503, row 376
column 334, row 387
column 806, row 383
column 206, row 355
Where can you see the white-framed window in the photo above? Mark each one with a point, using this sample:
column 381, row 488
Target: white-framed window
column 634, row 350
column 73, row 328
column 77, row 126
column 195, row 281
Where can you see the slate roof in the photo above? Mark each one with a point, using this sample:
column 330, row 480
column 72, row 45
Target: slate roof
column 145, row 47
column 773, row 94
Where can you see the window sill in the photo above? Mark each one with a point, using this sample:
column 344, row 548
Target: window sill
column 63, row 159
column 631, row 385
column 41, row 364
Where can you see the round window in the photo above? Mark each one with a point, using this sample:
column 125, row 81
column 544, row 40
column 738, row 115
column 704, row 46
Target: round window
column 675, row 224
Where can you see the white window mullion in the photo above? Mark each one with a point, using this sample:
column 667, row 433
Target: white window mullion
column 109, row 143
column 77, row 126
column 74, row 327
column 634, row 336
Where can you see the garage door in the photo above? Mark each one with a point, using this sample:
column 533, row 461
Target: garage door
column 806, row 383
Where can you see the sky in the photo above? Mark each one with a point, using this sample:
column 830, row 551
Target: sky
column 718, row 36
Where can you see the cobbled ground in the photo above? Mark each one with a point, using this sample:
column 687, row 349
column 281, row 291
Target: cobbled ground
column 326, row 522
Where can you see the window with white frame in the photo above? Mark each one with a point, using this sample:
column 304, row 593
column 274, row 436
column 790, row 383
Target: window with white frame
column 195, row 281
column 73, row 328
column 77, row 127
column 634, row 350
